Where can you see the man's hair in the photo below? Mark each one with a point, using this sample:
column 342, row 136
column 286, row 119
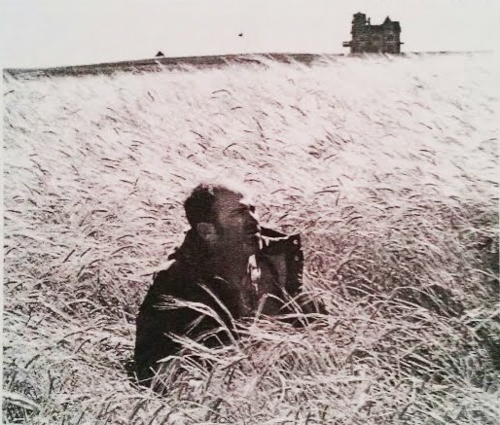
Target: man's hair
column 199, row 205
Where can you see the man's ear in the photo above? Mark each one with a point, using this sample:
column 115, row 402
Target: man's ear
column 207, row 232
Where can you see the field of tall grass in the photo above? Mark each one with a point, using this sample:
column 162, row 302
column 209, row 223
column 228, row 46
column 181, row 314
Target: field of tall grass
column 388, row 167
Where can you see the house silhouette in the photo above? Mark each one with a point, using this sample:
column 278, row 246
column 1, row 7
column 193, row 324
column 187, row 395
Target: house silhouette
column 160, row 54
column 367, row 38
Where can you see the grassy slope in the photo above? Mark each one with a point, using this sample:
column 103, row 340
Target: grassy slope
column 386, row 165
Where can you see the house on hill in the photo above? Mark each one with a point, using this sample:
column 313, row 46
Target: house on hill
column 160, row 55
column 368, row 38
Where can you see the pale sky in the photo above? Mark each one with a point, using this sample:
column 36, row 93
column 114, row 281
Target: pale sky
column 38, row 33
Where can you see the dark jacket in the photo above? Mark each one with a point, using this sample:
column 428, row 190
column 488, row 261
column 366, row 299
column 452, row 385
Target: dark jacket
column 280, row 264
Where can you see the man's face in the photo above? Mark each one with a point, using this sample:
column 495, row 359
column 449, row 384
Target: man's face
column 236, row 223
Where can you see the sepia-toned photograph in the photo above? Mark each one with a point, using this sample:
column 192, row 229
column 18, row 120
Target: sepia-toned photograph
column 280, row 212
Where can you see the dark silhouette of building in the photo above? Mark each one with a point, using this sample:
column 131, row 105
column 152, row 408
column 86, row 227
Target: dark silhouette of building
column 160, row 55
column 367, row 38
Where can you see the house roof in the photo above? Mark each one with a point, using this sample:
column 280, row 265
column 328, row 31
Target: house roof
column 391, row 24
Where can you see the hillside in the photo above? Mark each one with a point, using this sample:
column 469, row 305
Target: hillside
column 388, row 167
column 158, row 64
column 161, row 63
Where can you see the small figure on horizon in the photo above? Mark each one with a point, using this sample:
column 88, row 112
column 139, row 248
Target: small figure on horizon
column 227, row 262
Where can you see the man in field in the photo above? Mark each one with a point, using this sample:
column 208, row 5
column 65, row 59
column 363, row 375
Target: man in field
column 227, row 268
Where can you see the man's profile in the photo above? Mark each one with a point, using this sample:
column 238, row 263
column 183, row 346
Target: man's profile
column 228, row 263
